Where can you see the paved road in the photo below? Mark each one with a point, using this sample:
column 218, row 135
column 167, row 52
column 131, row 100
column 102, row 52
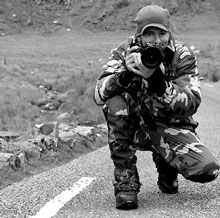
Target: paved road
column 27, row 198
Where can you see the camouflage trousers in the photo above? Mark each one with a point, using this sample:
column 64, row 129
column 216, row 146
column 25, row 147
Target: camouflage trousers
column 180, row 147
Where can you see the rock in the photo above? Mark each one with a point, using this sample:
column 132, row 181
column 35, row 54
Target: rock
column 39, row 102
column 86, row 131
column 65, row 131
column 15, row 161
column 62, row 116
column 8, row 135
column 4, row 157
column 3, row 144
column 45, row 143
column 103, row 127
column 51, row 106
column 216, row 75
column 30, row 148
column 46, row 128
column 69, row 132
column 48, row 138
column 86, row 123
column 51, row 99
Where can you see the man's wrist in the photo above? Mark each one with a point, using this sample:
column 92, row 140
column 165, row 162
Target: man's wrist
column 124, row 77
column 157, row 83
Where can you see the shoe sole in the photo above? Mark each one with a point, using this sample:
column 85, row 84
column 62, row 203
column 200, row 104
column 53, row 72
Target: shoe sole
column 127, row 205
column 168, row 192
column 167, row 189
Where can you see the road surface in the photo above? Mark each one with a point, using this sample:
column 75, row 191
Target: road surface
column 83, row 188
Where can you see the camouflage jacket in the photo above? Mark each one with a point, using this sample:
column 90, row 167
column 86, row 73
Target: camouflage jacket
column 182, row 95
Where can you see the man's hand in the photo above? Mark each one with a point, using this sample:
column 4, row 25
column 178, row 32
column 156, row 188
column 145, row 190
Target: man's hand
column 135, row 65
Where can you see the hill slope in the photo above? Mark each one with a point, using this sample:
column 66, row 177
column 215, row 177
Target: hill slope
column 49, row 15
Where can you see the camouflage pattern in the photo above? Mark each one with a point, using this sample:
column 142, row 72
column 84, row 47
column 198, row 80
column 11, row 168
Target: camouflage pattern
column 164, row 125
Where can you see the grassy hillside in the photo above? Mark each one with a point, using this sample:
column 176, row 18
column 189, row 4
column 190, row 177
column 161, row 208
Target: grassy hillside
column 52, row 52
column 47, row 16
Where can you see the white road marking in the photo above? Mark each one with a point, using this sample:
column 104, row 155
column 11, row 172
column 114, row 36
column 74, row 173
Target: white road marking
column 51, row 208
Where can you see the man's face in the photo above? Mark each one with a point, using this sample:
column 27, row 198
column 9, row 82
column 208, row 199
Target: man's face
column 156, row 35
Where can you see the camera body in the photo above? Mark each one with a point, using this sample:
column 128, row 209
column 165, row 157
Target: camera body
column 152, row 54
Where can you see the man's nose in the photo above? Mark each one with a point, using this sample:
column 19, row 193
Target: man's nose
column 157, row 38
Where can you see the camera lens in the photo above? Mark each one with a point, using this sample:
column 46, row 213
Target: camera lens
column 151, row 57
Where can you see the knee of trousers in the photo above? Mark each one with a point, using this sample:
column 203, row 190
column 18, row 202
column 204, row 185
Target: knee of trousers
column 205, row 172
column 117, row 105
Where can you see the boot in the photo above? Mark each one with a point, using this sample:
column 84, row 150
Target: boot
column 167, row 185
column 167, row 178
column 126, row 200
column 126, row 188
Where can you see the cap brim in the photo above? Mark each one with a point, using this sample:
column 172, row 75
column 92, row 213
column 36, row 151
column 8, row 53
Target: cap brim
column 160, row 26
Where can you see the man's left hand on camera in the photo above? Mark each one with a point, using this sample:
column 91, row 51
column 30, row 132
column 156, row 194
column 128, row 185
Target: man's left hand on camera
column 135, row 65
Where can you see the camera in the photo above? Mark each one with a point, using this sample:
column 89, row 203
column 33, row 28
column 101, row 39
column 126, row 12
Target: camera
column 152, row 54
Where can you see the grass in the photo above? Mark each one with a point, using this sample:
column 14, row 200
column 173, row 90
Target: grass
column 70, row 63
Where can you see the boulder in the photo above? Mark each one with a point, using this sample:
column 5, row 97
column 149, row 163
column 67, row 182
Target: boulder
column 8, row 135
column 4, row 158
column 15, row 161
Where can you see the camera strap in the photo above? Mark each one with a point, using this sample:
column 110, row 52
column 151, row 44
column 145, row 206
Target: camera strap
column 172, row 67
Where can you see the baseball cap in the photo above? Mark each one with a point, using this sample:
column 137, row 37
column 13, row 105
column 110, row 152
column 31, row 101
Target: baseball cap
column 152, row 15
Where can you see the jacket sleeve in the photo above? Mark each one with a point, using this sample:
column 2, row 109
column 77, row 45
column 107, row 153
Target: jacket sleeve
column 183, row 95
column 114, row 77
